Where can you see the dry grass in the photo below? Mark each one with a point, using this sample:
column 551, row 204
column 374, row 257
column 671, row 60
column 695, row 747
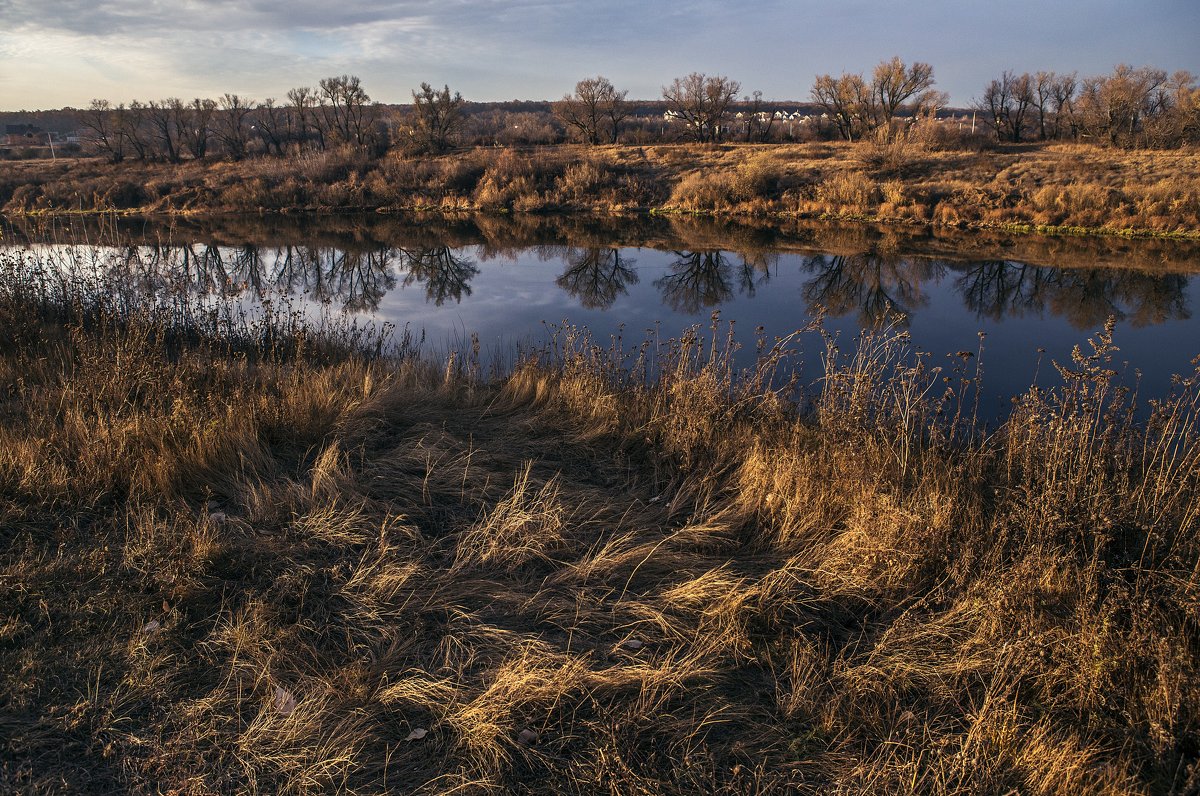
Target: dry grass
column 253, row 558
column 900, row 179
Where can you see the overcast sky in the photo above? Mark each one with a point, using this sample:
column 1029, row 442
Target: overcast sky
column 55, row 53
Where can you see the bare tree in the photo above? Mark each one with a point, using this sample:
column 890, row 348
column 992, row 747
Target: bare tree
column 1006, row 103
column 133, row 129
column 595, row 111
column 1043, row 102
column 105, row 123
column 1172, row 114
column 162, row 116
column 896, row 86
column 758, row 120
column 302, row 104
column 1062, row 96
column 702, row 103
column 233, row 127
column 1115, row 107
column 857, row 107
column 345, row 109
column 194, row 123
column 271, row 124
column 846, row 100
column 1186, row 106
column 438, row 117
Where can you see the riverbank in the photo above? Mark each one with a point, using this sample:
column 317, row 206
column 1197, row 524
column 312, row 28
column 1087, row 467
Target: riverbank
column 259, row 557
column 1057, row 188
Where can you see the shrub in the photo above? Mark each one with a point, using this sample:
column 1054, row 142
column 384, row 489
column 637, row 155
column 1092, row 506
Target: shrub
column 847, row 192
column 703, row 191
column 580, row 181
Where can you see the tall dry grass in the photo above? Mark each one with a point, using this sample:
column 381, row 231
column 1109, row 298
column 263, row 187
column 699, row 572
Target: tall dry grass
column 906, row 177
column 249, row 556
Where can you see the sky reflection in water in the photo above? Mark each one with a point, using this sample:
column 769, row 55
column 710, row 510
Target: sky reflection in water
column 447, row 288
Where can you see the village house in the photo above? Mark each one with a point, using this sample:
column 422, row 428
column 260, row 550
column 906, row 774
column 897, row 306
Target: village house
column 23, row 135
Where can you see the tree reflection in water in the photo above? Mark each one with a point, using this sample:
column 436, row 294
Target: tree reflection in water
column 697, row 279
column 446, row 275
column 868, row 283
column 597, row 276
column 702, row 279
column 755, row 269
column 356, row 280
column 1001, row 289
column 873, row 285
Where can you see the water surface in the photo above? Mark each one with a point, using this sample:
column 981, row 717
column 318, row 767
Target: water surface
column 506, row 280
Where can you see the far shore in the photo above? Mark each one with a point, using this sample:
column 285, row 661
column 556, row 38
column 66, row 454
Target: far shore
column 1050, row 189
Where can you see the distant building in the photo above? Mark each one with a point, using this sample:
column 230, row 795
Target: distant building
column 23, row 135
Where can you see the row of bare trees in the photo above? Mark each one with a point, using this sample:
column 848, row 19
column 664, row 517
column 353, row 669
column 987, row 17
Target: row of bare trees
column 596, row 110
column 858, row 107
column 338, row 111
column 1142, row 106
column 1128, row 107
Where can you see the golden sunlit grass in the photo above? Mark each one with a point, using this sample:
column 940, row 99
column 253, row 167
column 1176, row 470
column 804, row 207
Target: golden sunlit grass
column 254, row 557
column 903, row 179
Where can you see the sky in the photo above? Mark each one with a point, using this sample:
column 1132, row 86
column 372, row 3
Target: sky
column 57, row 53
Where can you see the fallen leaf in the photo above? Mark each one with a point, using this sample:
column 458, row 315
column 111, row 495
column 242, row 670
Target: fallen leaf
column 417, row 734
column 285, row 702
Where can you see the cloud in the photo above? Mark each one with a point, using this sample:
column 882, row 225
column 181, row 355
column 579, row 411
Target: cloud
column 66, row 51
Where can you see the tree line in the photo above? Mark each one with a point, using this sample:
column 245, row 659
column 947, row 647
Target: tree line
column 1129, row 107
column 337, row 112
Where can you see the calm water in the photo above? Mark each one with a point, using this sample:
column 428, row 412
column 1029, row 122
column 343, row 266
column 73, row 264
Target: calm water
column 506, row 279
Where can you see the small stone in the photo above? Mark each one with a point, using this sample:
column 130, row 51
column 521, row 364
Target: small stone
column 151, row 626
column 285, row 701
column 417, row 734
column 633, row 644
column 527, row 736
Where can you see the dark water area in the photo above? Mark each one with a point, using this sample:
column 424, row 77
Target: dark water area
column 506, row 280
